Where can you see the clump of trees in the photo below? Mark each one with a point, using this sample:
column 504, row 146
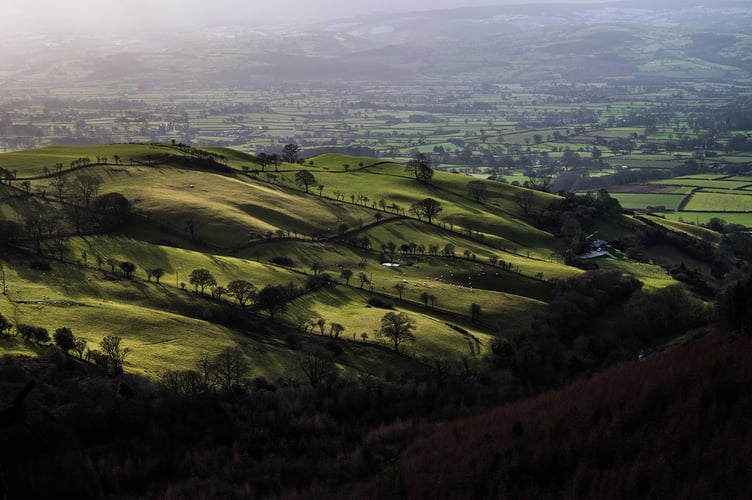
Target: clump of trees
column 127, row 267
column 34, row 333
column 570, row 336
column 290, row 153
column 113, row 354
column 478, row 190
column 733, row 309
column 243, row 291
column 420, row 167
column 226, row 371
column 427, row 208
column 111, row 212
column 110, row 356
column 49, row 226
column 64, row 339
column 272, row 298
column 202, row 278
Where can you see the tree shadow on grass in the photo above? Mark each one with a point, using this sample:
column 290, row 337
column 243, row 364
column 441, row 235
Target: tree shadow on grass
column 144, row 255
column 333, row 296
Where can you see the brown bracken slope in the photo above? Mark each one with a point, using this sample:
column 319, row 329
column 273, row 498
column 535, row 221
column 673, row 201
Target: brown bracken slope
column 676, row 425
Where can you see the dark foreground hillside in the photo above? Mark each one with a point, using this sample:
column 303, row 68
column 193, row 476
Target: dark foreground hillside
column 677, row 425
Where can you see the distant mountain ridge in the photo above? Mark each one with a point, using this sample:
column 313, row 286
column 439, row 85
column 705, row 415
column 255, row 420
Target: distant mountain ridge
column 478, row 22
column 518, row 43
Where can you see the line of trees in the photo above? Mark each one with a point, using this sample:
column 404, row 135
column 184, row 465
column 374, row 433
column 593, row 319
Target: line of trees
column 271, row 298
column 77, row 210
column 110, row 356
column 396, row 328
column 226, row 371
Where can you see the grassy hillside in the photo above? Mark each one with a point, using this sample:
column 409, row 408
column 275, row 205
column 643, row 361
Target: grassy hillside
column 222, row 211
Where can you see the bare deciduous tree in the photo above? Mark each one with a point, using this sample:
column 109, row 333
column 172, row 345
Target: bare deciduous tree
column 397, row 328
column 115, row 353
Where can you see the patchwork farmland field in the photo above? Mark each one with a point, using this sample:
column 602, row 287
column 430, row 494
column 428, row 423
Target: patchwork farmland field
column 643, row 200
column 703, row 183
column 696, row 199
column 720, row 202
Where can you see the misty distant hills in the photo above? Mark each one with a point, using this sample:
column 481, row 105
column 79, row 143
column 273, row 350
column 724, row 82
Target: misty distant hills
column 523, row 43
column 700, row 41
column 482, row 22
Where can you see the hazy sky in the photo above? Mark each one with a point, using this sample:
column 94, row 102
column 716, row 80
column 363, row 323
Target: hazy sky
column 102, row 15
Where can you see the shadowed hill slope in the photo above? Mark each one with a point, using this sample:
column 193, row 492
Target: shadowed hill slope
column 675, row 425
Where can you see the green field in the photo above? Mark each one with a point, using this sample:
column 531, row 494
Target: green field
column 685, row 227
column 705, row 217
column 697, row 198
column 719, row 202
column 640, row 200
column 701, row 183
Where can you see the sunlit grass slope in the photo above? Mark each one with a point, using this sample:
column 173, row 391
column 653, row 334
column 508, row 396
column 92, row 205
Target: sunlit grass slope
column 33, row 163
column 496, row 217
column 232, row 219
column 161, row 324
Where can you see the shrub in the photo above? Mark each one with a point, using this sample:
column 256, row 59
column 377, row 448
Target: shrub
column 41, row 335
column 25, row 331
column 5, row 324
column 31, row 332
column 380, row 303
column 40, row 265
column 319, row 281
column 65, row 339
column 98, row 358
column 334, row 347
column 283, row 261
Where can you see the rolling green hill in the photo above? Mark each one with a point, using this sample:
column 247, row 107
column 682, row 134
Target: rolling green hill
column 222, row 211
